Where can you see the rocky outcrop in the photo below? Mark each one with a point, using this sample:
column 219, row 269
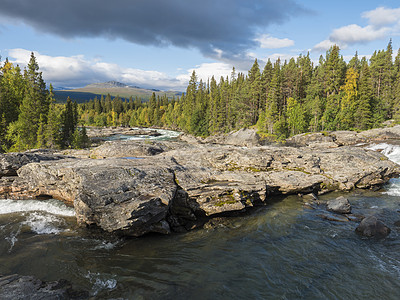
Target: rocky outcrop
column 339, row 205
column 175, row 189
column 11, row 162
column 14, row 287
column 372, row 227
column 332, row 139
column 131, row 197
column 127, row 149
column 244, row 137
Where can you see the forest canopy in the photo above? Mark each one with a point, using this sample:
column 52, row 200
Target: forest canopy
column 29, row 116
column 283, row 99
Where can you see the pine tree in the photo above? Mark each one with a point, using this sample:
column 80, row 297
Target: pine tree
column 34, row 104
column 295, row 116
column 348, row 100
column 68, row 124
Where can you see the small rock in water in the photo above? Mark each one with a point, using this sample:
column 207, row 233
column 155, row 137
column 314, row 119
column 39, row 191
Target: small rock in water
column 372, row 227
column 336, row 218
column 309, row 197
column 355, row 217
column 339, row 205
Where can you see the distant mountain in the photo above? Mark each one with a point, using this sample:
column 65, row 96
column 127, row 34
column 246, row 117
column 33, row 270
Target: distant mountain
column 110, row 84
column 114, row 88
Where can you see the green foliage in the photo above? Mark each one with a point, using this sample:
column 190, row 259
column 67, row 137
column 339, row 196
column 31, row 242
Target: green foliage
column 29, row 116
column 80, row 139
column 285, row 99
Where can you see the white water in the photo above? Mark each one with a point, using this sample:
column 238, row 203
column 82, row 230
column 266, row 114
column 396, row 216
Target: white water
column 43, row 223
column 392, row 152
column 50, row 206
column 165, row 135
column 41, row 217
column 101, row 282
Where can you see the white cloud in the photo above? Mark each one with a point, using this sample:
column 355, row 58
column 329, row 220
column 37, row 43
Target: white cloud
column 274, row 57
column 268, row 42
column 323, row 46
column 382, row 22
column 354, row 33
column 382, row 16
column 77, row 71
column 206, row 70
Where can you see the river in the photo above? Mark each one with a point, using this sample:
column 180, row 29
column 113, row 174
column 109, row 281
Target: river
column 282, row 251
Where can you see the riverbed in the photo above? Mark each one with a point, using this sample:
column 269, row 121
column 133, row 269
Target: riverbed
column 282, row 251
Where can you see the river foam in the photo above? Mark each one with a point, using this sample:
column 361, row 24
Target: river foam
column 50, row 206
column 392, row 152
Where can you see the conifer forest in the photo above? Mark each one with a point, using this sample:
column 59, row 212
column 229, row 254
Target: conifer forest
column 282, row 99
column 29, row 116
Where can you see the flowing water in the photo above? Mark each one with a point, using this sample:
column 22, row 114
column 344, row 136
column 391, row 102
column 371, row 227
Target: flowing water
column 165, row 135
column 281, row 251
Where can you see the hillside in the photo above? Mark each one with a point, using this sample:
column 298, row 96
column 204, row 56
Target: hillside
column 113, row 88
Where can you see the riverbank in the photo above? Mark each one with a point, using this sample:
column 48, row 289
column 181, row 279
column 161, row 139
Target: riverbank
column 137, row 187
column 178, row 186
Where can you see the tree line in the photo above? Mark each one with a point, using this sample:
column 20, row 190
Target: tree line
column 284, row 99
column 29, row 116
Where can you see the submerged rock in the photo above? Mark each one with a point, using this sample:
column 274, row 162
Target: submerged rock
column 14, row 287
column 333, row 217
column 339, row 205
column 372, row 227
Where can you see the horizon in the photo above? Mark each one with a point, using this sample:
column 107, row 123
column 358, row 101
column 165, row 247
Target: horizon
column 139, row 49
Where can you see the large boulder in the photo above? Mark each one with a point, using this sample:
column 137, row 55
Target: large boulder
column 244, row 137
column 372, row 227
column 131, row 197
column 14, row 287
column 126, row 149
column 339, row 205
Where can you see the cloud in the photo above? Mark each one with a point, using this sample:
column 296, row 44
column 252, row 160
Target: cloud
column 323, row 46
column 268, row 42
column 226, row 25
column 206, row 70
column 382, row 16
column 353, row 33
column 381, row 23
column 77, row 71
column 282, row 56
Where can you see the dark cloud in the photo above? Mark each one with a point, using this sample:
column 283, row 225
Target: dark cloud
column 228, row 25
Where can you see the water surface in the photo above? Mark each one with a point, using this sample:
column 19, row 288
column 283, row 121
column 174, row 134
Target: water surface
column 282, row 251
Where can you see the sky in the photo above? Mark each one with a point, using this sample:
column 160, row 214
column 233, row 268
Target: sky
column 158, row 43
